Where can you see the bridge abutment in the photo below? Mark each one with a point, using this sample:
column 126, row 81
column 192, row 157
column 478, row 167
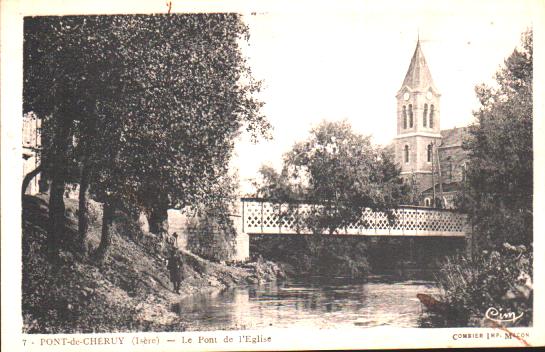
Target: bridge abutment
column 242, row 239
column 242, row 247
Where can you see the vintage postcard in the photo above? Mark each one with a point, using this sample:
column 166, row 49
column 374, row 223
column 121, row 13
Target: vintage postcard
column 203, row 175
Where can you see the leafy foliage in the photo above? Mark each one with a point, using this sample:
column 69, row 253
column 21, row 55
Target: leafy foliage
column 491, row 279
column 188, row 94
column 499, row 191
column 498, row 197
column 212, row 231
column 341, row 171
column 149, row 106
column 315, row 255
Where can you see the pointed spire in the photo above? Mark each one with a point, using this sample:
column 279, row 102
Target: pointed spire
column 418, row 75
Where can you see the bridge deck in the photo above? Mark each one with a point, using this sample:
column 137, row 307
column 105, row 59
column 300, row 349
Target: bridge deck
column 262, row 217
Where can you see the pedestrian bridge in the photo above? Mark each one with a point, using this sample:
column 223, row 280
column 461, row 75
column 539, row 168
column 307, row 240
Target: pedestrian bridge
column 263, row 217
column 258, row 216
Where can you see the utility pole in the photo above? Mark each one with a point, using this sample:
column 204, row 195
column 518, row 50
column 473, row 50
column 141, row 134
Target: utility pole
column 464, row 184
column 440, row 178
column 433, row 173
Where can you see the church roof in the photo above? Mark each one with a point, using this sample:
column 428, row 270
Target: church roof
column 453, row 137
column 447, row 187
column 418, row 75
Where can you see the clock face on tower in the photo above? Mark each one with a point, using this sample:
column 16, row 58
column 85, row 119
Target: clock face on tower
column 406, row 96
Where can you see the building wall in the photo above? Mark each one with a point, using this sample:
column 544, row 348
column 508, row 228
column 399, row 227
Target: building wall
column 400, row 144
column 424, row 181
column 32, row 144
column 29, row 165
column 452, row 165
column 418, row 169
column 418, row 99
column 418, row 158
column 448, row 152
column 451, row 154
column 31, row 131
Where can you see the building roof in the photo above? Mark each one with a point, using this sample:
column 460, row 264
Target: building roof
column 453, row 137
column 418, row 75
column 447, row 187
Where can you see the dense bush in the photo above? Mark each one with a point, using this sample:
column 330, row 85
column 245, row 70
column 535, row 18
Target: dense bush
column 315, row 255
column 491, row 279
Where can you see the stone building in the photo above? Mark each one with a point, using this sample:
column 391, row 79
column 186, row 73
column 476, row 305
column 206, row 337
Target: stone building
column 431, row 160
column 32, row 145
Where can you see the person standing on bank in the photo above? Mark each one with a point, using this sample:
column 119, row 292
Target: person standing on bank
column 174, row 266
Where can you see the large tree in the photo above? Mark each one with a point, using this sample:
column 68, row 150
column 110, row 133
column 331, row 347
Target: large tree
column 151, row 105
column 190, row 92
column 57, row 54
column 499, row 190
column 340, row 173
column 339, row 170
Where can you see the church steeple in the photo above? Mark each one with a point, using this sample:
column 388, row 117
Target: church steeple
column 418, row 122
column 418, row 77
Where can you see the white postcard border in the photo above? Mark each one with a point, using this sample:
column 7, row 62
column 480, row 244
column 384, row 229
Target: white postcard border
column 281, row 339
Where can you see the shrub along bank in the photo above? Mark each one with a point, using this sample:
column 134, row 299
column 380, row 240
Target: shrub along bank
column 314, row 255
column 490, row 287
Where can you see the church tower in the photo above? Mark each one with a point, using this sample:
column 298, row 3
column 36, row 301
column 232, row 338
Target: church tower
column 418, row 123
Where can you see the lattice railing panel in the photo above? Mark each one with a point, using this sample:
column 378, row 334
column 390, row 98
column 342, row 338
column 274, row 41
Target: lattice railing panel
column 267, row 217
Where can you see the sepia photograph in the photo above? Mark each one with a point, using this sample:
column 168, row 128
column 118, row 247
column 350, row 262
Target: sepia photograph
column 336, row 168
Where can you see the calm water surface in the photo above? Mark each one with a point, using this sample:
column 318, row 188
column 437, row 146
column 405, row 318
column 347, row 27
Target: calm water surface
column 315, row 303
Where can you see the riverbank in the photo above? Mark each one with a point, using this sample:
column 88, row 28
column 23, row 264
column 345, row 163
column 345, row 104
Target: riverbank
column 129, row 291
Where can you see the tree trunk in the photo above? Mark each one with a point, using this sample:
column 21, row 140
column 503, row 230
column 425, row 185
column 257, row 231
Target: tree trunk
column 158, row 220
column 29, row 177
column 56, row 233
column 106, row 236
column 83, row 211
column 133, row 226
column 44, row 182
column 56, row 214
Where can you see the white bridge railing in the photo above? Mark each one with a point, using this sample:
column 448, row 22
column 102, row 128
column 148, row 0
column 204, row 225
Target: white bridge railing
column 262, row 217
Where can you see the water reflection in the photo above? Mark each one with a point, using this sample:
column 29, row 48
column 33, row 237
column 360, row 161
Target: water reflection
column 309, row 303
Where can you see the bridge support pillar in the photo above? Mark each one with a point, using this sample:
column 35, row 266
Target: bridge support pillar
column 242, row 247
column 242, row 240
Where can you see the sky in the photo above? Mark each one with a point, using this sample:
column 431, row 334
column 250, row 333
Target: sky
column 336, row 60
column 338, row 63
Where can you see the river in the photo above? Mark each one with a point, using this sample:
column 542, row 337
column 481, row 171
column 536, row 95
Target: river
column 316, row 302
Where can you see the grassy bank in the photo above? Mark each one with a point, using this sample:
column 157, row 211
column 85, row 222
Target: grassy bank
column 129, row 291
